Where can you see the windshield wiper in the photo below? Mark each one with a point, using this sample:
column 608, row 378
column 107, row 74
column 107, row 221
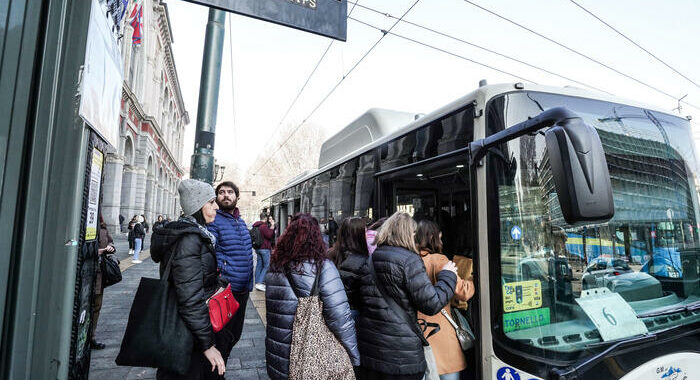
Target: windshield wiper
column 672, row 310
column 579, row 368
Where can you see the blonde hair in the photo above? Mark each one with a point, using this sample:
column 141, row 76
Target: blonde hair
column 398, row 231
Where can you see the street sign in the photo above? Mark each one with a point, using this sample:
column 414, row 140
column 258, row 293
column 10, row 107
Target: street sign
column 325, row 17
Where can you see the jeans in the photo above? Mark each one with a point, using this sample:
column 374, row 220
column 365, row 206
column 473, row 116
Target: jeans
column 262, row 265
column 450, row 376
column 137, row 247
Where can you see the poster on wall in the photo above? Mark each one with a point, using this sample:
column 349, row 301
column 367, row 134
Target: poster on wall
column 92, row 221
column 102, row 77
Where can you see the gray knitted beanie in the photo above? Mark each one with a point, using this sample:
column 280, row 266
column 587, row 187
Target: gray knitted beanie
column 194, row 195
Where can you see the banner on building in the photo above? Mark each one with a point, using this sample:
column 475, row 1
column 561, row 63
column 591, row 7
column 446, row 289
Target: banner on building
column 102, row 78
column 325, row 17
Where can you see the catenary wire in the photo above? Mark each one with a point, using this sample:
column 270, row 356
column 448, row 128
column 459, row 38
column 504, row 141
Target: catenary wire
column 334, row 88
column 579, row 53
column 634, row 43
column 442, row 50
column 482, row 48
column 291, row 105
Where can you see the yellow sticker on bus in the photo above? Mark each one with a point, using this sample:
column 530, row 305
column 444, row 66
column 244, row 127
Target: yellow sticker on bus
column 522, row 295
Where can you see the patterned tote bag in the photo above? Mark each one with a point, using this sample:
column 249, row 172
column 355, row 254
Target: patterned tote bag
column 315, row 354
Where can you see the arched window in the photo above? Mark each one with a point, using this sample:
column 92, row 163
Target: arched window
column 128, row 152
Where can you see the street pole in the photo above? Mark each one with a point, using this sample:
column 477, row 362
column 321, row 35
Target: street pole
column 202, row 164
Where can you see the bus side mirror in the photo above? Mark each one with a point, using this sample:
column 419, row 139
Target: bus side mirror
column 580, row 171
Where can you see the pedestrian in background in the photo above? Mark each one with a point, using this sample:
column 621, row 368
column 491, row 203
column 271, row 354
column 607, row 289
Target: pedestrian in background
column 159, row 223
column 446, row 348
column 266, row 226
column 105, row 247
column 194, row 276
column 234, row 253
column 144, row 222
column 139, row 235
column 349, row 254
column 298, row 256
column 130, row 236
column 390, row 348
column 332, row 230
column 121, row 223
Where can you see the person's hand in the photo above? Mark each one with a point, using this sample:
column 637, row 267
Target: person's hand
column 214, row 357
column 450, row 266
column 110, row 249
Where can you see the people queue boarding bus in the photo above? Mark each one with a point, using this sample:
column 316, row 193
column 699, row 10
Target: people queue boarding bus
column 210, row 239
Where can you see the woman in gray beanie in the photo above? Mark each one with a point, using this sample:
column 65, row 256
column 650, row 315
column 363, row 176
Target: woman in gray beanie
column 194, row 276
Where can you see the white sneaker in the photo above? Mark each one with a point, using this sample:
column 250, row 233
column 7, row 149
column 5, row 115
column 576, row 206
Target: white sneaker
column 136, row 261
column 131, row 252
column 260, row 287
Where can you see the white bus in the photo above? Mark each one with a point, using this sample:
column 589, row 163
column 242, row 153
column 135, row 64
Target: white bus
column 579, row 210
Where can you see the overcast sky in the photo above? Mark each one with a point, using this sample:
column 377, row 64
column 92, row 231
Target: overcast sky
column 271, row 63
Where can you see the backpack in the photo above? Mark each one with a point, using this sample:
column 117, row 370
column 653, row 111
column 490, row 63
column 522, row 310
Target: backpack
column 256, row 237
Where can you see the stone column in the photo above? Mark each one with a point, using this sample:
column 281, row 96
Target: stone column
column 148, row 204
column 128, row 193
column 111, row 192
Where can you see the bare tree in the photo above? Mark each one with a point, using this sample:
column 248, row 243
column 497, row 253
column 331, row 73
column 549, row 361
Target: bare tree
column 292, row 153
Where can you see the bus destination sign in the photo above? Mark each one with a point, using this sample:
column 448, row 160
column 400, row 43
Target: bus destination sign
column 325, row 17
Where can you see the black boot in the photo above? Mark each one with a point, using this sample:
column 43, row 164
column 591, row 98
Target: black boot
column 96, row 346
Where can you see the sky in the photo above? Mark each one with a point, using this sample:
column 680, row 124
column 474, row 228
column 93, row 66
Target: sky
column 272, row 62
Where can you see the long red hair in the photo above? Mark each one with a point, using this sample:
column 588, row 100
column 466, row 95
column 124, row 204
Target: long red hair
column 301, row 242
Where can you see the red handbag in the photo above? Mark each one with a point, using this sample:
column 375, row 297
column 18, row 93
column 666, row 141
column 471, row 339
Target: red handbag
column 222, row 307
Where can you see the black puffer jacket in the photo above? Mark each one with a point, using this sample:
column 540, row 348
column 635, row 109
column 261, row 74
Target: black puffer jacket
column 282, row 304
column 351, row 271
column 386, row 343
column 193, row 273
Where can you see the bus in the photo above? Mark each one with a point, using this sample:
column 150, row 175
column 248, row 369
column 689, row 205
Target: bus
column 579, row 211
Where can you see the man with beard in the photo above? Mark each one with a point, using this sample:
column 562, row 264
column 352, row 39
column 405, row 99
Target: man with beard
column 234, row 255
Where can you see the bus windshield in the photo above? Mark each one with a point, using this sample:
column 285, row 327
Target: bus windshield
column 566, row 287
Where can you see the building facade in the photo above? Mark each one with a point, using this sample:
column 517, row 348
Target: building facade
column 141, row 176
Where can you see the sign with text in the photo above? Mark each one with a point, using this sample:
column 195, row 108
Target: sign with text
column 325, row 17
column 611, row 314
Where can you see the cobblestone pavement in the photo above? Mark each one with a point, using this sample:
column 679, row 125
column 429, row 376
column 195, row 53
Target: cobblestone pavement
column 247, row 360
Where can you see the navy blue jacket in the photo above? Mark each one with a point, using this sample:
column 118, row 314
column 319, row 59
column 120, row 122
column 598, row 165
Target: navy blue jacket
column 234, row 251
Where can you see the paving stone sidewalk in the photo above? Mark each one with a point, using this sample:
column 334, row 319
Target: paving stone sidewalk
column 247, row 360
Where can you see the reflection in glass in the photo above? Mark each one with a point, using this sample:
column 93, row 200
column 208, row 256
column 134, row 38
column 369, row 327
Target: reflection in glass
column 648, row 252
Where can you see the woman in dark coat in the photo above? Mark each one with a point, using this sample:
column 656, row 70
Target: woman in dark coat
column 389, row 347
column 194, row 275
column 350, row 254
column 300, row 252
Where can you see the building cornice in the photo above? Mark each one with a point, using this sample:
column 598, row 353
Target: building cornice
column 133, row 104
column 167, row 36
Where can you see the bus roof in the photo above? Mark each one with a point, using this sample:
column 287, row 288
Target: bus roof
column 328, row 160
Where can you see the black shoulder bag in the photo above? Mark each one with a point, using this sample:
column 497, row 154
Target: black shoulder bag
column 156, row 336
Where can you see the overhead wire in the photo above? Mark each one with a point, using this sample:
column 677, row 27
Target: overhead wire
column 442, row 50
column 579, row 53
column 308, row 79
column 480, row 47
column 635, row 43
column 328, row 95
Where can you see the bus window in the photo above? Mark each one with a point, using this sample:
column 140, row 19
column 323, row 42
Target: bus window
column 342, row 190
column 364, row 186
column 647, row 253
column 319, row 196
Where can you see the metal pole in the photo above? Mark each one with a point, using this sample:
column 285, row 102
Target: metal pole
column 202, row 164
